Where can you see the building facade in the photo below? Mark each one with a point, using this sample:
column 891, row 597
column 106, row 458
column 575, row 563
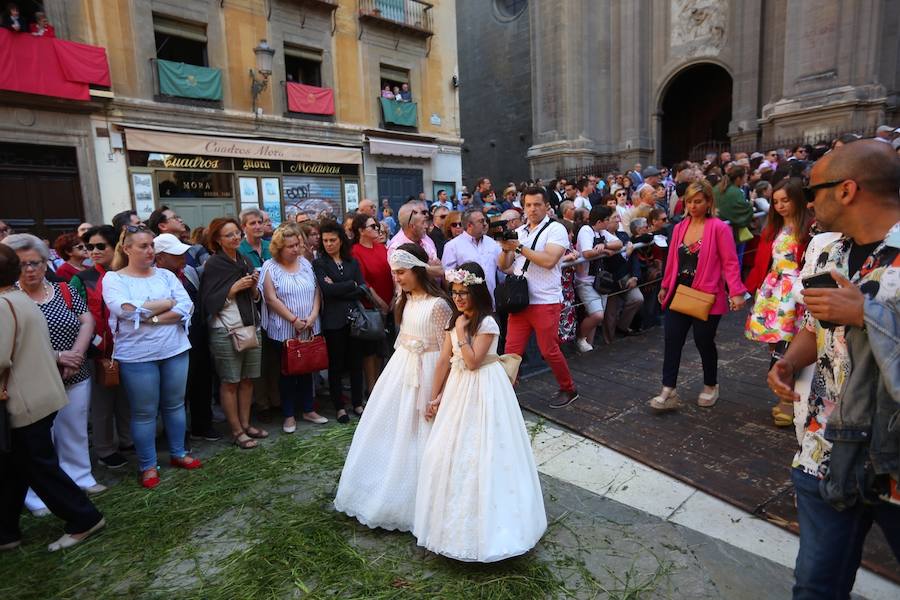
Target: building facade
column 212, row 106
column 657, row 81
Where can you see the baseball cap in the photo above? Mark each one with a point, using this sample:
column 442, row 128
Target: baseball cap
column 885, row 129
column 757, row 155
column 169, row 244
column 650, row 172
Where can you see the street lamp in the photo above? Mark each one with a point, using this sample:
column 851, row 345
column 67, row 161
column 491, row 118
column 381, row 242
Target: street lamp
column 259, row 79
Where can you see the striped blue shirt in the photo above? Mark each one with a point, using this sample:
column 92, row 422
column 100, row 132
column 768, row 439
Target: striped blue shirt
column 296, row 290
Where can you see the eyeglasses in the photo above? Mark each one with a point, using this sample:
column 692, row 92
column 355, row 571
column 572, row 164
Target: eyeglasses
column 810, row 190
column 78, row 247
column 460, row 294
column 91, row 247
column 373, row 227
column 32, row 264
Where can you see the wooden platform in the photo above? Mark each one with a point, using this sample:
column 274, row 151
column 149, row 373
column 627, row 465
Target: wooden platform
column 732, row 451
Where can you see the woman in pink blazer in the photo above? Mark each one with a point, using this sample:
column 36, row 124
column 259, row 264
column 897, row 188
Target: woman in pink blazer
column 702, row 256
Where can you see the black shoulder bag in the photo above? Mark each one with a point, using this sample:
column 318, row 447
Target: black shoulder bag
column 511, row 296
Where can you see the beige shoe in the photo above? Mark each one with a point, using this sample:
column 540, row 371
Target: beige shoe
column 708, row 400
column 667, row 400
column 67, row 540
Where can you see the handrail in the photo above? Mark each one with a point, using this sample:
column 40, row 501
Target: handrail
column 639, row 245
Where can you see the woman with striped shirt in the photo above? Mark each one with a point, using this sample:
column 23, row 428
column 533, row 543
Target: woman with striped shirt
column 291, row 308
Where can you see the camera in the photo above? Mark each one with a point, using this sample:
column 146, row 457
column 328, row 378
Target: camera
column 500, row 231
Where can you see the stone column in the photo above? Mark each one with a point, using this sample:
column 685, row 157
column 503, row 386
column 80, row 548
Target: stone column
column 634, row 95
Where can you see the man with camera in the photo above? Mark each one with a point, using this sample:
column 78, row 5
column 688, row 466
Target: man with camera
column 473, row 245
column 541, row 244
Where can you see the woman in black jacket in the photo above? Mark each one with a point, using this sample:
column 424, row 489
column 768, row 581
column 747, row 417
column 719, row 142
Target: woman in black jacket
column 340, row 279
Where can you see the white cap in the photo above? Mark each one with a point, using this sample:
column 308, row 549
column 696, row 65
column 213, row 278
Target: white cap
column 885, row 129
column 169, row 244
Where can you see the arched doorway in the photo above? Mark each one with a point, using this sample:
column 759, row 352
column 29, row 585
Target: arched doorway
column 696, row 111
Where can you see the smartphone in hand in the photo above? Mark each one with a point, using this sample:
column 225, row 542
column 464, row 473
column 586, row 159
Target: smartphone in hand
column 822, row 280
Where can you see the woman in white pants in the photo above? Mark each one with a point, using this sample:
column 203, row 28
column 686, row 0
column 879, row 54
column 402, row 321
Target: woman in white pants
column 71, row 328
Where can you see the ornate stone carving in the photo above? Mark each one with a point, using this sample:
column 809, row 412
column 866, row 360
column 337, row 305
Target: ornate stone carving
column 698, row 27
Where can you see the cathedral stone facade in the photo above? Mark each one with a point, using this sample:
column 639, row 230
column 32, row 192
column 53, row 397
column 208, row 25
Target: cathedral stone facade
column 654, row 81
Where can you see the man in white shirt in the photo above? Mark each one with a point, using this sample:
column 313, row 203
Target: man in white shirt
column 541, row 243
column 473, row 245
column 584, row 190
column 593, row 242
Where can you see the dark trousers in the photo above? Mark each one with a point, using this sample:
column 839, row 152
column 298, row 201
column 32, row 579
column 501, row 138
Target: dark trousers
column 198, row 395
column 831, row 541
column 677, row 326
column 295, row 388
column 344, row 352
column 33, row 463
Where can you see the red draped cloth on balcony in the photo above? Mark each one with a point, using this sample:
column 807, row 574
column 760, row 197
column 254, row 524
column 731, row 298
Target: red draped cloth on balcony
column 310, row 99
column 50, row 67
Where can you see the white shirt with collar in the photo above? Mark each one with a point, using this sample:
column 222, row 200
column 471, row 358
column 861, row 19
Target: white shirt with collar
column 582, row 202
column 544, row 285
column 464, row 248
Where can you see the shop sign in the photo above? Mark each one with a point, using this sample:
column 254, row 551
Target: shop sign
column 256, row 164
column 194, row 184
column 317, row 168
column 189, row 161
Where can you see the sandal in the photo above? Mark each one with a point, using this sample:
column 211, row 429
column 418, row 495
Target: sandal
column 665, row 401
column 245, row 442
column 256, row 433
column 781, row 417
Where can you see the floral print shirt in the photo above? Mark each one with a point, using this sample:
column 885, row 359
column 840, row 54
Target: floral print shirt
column 879, row 278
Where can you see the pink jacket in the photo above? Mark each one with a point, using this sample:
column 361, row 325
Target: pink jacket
column 716, row 265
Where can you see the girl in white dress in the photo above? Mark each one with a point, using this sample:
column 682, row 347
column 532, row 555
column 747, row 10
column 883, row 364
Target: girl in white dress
column 479, row 498
column 378, row 483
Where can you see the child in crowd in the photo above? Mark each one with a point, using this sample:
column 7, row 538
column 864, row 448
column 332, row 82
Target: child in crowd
column 378, row 483
column 479, row 498
column 777, row 314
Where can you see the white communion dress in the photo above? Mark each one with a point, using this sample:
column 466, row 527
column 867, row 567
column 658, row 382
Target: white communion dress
column 378, row 483
column 479, row 497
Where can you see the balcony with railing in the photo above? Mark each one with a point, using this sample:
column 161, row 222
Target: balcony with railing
column 324, row 4
column 52, row 67
column 409, row 16
column 399, row 116
column 181, row 83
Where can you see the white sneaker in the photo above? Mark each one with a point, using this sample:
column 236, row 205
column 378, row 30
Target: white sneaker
column 97, row 488
column 582, row 345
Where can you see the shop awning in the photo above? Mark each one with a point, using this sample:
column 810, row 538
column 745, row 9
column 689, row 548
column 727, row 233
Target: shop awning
column 168, row 142
column 50, row 67
column 398, row 148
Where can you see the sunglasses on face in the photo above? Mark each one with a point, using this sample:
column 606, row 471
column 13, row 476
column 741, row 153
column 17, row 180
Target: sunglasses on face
column 456, row 224
column 101, row 247
column 810, row 191
column 78, row 247
column 136, row 228
column 373, row 227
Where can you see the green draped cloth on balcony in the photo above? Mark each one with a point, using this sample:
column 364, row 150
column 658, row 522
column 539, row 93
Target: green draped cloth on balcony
column 189, row 81
column 399, row 113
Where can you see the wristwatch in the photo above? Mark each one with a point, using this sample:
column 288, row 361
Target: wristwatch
column 518, row 250
column 155, row 320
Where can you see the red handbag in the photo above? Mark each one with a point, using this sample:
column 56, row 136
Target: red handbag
column 299, row 357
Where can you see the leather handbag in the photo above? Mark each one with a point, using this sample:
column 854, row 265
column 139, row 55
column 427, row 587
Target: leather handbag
column 5, row 419
column 366, row 323
column 301, row 356
column 107, row 372
column 692, row 303
column 511, row 296
column 244, row 337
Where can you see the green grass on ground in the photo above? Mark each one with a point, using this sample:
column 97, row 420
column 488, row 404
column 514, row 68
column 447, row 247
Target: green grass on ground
column 259, row 524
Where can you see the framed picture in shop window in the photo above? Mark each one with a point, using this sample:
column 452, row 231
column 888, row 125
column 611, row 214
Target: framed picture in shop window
column 249, row 192
column 271, row 197
column 142, row 186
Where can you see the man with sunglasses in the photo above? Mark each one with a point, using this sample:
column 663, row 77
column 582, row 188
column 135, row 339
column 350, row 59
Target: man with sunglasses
column 845, row 473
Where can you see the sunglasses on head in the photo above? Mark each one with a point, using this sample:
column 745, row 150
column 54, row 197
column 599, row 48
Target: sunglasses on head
column 101, row 247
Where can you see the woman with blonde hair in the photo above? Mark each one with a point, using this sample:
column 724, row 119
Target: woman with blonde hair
column 150, row 312
column 291, row 309
column 701, row 257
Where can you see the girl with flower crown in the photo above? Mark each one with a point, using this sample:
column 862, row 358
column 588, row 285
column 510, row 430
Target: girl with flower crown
column 378, row 483
column 479, row 498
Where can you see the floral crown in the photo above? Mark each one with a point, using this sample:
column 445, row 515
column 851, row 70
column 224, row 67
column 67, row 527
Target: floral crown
column 463, row 277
